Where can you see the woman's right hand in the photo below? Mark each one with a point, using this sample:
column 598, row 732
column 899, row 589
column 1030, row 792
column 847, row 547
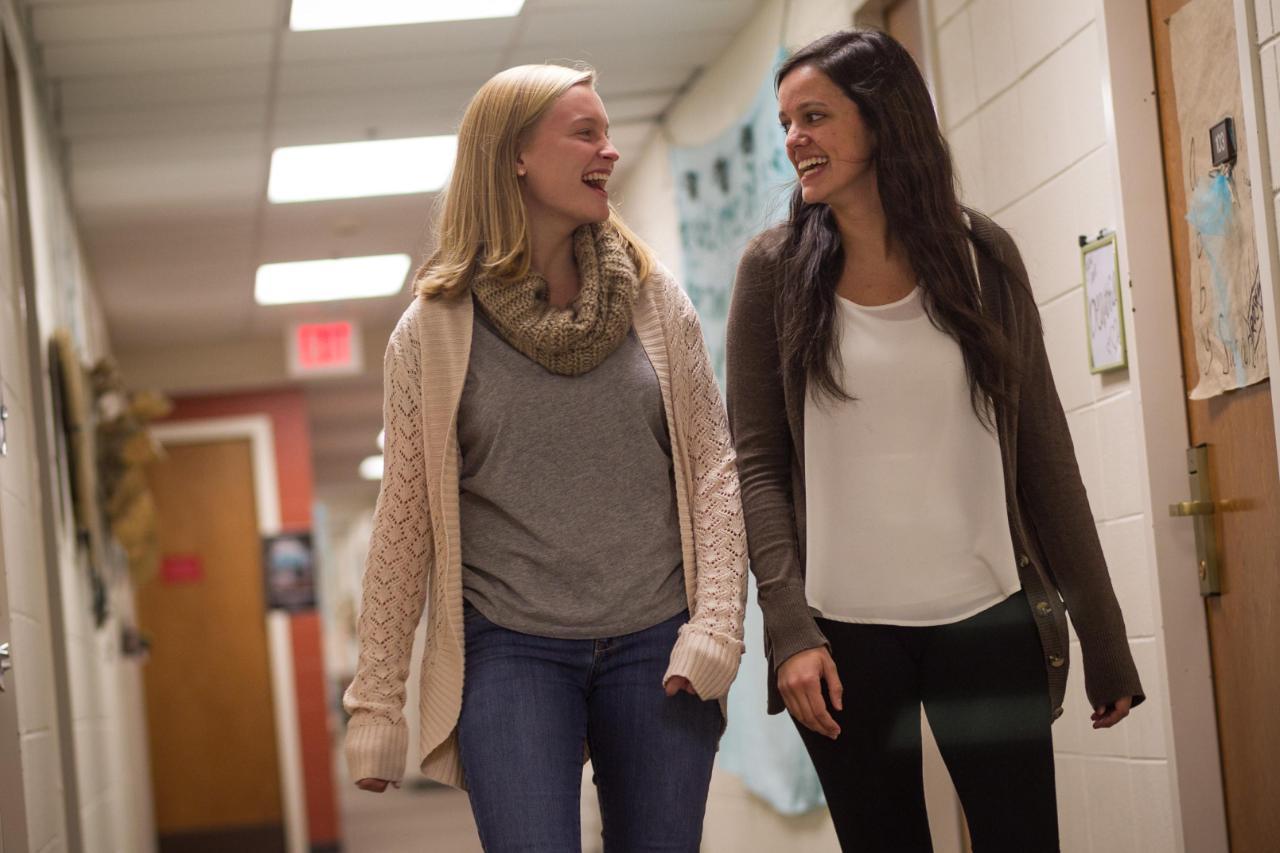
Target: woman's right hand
column 375, row 785
column 800, row 681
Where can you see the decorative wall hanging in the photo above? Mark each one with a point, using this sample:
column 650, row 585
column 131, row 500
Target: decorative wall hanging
column 74, row 410
column 125, row 449
column 727, row 191
column 1103, row 304
column 1226, row 290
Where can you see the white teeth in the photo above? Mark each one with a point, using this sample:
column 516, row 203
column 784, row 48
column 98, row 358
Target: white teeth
column 806, row 165
column 594, row 177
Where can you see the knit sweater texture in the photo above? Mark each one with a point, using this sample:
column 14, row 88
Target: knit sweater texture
column 1060, row 559
column 415, row 549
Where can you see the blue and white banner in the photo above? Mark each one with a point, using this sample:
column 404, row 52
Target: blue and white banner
column 727, row 191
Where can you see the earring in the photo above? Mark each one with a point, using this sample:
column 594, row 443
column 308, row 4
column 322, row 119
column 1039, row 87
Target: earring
column 520, row 172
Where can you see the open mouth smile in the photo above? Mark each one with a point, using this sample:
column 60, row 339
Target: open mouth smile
column 597, row 180
column 811, row 166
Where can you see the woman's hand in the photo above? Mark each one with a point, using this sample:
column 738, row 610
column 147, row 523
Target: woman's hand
column 375, row 785
column 676, row 683
column 1106, row 716
column 800, row 681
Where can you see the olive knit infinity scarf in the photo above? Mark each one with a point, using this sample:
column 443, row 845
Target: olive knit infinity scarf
column 574, row 340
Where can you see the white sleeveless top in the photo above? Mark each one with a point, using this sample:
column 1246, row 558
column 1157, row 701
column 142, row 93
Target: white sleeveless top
column 907, row 522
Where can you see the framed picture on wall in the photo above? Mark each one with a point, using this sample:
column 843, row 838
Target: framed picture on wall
column 1103, row 304
column 288, row 564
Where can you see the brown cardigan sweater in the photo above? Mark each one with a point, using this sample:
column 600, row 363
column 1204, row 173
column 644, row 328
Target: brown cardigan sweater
column 1060, row 558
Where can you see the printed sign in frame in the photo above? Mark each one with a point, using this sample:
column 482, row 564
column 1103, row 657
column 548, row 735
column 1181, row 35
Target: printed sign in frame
column 1103, row 304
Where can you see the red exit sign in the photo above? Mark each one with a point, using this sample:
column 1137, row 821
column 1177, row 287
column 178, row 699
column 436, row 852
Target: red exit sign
column 325, row 349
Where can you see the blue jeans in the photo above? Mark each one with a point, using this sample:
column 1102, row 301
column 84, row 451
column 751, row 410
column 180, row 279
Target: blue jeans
column 531, row 704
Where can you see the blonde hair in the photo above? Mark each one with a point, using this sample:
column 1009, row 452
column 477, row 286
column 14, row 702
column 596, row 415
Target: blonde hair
column 481, row 222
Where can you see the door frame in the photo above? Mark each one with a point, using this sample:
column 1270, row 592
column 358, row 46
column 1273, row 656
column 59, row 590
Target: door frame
column 261, row 436
column 13, row 825
column 1259, row 172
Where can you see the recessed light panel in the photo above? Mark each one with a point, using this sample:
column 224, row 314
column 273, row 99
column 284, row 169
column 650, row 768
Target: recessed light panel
column 345, row 14
column 360, row 169
column 330, row 279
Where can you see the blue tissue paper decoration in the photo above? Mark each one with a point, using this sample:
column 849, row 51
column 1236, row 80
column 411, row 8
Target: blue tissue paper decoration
column 1211, row 213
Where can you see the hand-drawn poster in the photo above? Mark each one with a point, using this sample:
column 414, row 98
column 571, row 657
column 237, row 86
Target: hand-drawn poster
column 1226, row 292
column 728, row 191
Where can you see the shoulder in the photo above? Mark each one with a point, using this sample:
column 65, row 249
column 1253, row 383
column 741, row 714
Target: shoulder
column 406, row 328
column 404, row 345
column 763, row 255
column 670, row 300
column 992, row 240
column 990, row 235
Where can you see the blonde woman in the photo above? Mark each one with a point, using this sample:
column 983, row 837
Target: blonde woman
column 560, row 483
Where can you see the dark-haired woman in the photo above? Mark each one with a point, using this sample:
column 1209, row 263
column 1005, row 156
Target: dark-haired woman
column 915, row 515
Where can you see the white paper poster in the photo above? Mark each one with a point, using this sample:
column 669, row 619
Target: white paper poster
column 1226, row 292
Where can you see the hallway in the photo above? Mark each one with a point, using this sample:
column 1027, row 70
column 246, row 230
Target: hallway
column 196, row 303
column 412, row 819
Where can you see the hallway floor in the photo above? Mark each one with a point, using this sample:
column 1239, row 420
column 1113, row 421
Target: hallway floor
column 408, row 820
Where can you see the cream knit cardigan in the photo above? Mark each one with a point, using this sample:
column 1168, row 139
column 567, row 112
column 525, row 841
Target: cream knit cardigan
column 415, row 548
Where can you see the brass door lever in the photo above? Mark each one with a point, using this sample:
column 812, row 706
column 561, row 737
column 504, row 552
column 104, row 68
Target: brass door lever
column 1201, row 509
column 1183, row 508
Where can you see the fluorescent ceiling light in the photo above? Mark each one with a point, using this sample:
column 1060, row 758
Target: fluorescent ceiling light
column 382, row 439
column 371, row 468
column 343, row 14
column 359, row 169
column 327, row 280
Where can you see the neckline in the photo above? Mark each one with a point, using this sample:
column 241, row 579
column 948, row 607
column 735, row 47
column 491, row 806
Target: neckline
column 888, row 306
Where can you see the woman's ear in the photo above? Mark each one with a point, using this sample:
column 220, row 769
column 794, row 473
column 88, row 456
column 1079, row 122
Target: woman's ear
column 520, row 167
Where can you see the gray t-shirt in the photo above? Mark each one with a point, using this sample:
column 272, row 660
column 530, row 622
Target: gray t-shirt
column 568, row 507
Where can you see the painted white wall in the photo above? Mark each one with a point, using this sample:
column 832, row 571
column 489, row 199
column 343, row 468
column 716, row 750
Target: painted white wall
column 1024, row 91
column 108, row 728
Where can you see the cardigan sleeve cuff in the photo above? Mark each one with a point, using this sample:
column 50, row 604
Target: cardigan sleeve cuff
column 376, row 750
column 790, row 628
column 1110, row 674
column 710, row 663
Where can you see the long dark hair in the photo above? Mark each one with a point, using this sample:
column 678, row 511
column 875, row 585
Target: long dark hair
column 917, row 191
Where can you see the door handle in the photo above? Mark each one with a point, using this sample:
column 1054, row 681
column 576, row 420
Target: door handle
column 1201, row 509
column 5, row 663
column 1185, row 508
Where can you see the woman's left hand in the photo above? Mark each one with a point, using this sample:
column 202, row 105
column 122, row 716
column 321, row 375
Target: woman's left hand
column 1106, row 716
column 676, row 683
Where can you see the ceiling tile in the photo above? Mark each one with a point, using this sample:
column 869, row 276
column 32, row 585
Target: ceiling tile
column 346, row 228
column 618, row 57
column 637, row 107
column 162, row 89
column 177, row 188
column 450, row 37
column 234, row 115
column 165, row 55
column 405, row 73
column 634, row 21
column 82, row 22
column 163, row 147
column 659, row 78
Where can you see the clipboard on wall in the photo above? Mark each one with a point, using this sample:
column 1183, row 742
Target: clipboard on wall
column 1103, row 304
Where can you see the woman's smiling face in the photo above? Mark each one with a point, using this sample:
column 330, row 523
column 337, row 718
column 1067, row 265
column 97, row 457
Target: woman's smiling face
column 567, row 159
column 828, row 143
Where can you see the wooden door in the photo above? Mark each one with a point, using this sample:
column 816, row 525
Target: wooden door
column 1244, row 621
column 214, row 759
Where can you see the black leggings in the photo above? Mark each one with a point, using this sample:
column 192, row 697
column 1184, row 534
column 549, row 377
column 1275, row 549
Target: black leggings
column 983, row 685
